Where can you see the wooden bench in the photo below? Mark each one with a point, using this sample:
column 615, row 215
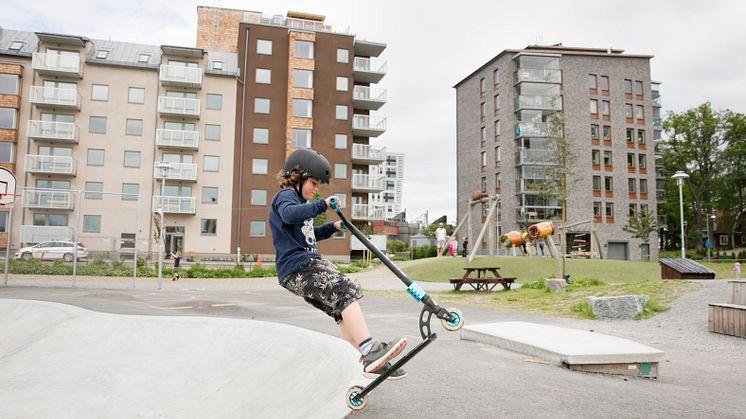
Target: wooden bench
column 482, row 281
column 728, row 319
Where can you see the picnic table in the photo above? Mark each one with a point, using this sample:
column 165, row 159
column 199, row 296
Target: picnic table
column 486, row 279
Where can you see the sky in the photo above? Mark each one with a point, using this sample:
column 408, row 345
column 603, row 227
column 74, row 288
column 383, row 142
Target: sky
column 698, row 48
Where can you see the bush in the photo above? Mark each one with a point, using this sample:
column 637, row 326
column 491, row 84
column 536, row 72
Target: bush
column 424, row 252
column 584, row 309
column 396, row 246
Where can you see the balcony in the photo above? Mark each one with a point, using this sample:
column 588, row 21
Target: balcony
column 368, row 126
column 58, row 65
column 526, row 156
column 38, row 234
column 180, row 76
column 171, row 138
column 52, row 131
column 539, row 74
column 365, row 154
column 50, row 165
column 533, row 129
column 178, row 107
column 368, row 70
column 178, row 171
column 368, row 183
column 370, row 98
column 368, row 48
column 53, row 97
column 48, row 199
column 550, row 103
column 175, row 204
column 367, row 212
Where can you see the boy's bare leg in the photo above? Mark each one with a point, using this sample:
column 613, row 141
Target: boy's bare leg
column 353, row 325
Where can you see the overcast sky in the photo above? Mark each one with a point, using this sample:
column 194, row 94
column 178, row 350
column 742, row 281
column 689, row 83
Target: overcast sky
column 698, row 48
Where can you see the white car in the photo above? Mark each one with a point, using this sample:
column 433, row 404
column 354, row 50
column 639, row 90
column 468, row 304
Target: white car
column 56, row 249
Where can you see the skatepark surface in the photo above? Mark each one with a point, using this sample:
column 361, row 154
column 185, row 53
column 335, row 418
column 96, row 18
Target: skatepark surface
column 62, row 361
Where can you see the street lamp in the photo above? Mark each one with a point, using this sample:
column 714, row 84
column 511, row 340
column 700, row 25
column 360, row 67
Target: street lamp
column 680, row 176
column 709, row 240
column 163, row 168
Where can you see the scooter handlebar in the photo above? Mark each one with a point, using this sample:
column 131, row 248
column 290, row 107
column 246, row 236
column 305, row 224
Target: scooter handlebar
column 334, row 202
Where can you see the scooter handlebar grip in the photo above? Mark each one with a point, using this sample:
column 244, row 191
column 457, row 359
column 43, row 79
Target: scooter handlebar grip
column 334, row 202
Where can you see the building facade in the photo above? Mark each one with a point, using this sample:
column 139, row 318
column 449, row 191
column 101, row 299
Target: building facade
column 392, row 170
column 505, row 142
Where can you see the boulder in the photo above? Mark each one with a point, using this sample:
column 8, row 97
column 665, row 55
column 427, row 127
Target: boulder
column 555, row 284
column 620, row 307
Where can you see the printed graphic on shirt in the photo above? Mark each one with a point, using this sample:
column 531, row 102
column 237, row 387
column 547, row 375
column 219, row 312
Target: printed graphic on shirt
column 307, row 230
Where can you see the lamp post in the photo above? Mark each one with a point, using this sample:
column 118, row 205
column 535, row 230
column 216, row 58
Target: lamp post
column 163, row 168
column 709, row 239
column 680, row 176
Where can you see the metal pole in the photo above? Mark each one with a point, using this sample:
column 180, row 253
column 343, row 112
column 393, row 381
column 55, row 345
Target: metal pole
column 75, row 239
column 681, row 214
column 707, row 224
column 162, row 241
column 9, row 224
column 134, row 257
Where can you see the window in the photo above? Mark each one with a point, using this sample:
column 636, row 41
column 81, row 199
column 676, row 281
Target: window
column 263, row 76
column 641, row 161
column 482, row 87
column 643, row 186
column 607, row 158
column 131, row 159
column 592, row 82
column 641, row 136
column 136, row 95
column 3, row 221
column 212, row 132
column 497, row 104
column 208, row 226
column 217, row 65
column 481, row 112
column 214, row 101
column 597, row 209
column 93, row 190
column 609, row 209
column 342, row 84
column 261, row 105
column 16, row 46
column 608, row 184
column 483, row 159
column 143, row 58
column 483, row 136
column 497, row 129
column 596, row 183
column 102, row 54
column 95, row 157
column 92, row 223
column 50, row 220
column 303, row 49
column 340, row 141
column 628, row 111
column 258, row 197
column 627, row 87
column 594, row 131
column 594, row 107
column 341, row 112
column 100, row 92
column 259, row 166
column 632, row 209
column 640, row 114
column 496, row 77
column 261, row 136
column 263, row 47
column 630, row 160
column 209, row 195
column 303, row 78
column 343, row 55
column 132, row 190
column 484, row 184
column 257, row 228
column 605, row 108
column 7, row 118
column 7, row 152
column 211, row 163
column 301, row 138
column 644, row 207
column 134, row 127
column 723, row 239
column 630, row 135
column 631, row 185
column 497, row 156
column 97, row 124
column 8, row 84
column 302, row 108
column 606, row 133
column 638, row 88
column 596, row 157
column 605, row 84
column 340, row 171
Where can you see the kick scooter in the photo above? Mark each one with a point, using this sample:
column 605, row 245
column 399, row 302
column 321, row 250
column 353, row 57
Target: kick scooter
column 451, row 319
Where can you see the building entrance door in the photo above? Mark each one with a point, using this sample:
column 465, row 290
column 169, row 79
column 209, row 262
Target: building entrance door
column 174, row 239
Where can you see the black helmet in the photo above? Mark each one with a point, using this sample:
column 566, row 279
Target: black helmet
column 310, row 163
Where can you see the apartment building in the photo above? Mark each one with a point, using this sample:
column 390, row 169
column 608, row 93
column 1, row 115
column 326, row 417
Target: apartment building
column 305, row 83
column 392, row 170
column 109, row 133
column 611, row 112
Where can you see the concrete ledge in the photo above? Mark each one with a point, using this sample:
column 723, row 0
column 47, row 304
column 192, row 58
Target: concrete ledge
column 560, row 345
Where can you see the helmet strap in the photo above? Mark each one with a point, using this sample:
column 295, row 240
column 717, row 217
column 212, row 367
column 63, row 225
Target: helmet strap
column 299, row 188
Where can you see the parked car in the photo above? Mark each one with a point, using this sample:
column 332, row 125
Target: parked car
column 56, row 249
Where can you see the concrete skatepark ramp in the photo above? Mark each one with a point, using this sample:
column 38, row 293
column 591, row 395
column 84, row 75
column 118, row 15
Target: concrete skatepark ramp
column 62, row 361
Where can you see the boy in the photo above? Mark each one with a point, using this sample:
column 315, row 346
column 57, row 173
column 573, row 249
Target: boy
column 302, row 271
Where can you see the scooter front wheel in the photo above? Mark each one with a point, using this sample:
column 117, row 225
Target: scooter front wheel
column 457, row 323
column 352, row 401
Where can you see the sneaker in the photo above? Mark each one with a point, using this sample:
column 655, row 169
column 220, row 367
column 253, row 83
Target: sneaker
column 396, row 375
column 381, row 353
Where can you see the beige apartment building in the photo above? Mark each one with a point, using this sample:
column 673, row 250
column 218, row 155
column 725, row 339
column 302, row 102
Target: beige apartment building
column 95, row 126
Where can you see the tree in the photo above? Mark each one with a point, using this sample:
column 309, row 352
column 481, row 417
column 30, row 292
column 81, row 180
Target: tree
column 732, row 185
column 641, row 225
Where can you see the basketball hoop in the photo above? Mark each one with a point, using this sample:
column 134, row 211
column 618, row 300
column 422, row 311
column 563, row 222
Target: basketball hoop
column 7, row 186
column 8, row 198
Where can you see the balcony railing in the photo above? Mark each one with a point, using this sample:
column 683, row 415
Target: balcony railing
column 177, row 138
column 367, row 212
column 368, row 70
column 368, row 126
column 365, row 154
column 48, row 199
column 365, row 97
column 368, row 183
column 65, row 65
column 53, row 165
column 38, row 234
column 178, row 171
column 539, row 102
column 547, row 75
column 179, row 75
column 294, row 23
column 52, row 131
column 179, row 106
column 175, row 204
column 54, row 97
column 533, row 129
column 524, row 156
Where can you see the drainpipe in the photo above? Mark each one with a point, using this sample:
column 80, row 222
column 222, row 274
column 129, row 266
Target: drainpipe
column 241, row 139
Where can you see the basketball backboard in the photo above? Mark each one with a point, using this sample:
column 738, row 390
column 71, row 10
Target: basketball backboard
column 7, row 186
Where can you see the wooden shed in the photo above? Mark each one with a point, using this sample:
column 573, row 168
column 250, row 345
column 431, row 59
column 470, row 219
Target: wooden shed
column 684, row 269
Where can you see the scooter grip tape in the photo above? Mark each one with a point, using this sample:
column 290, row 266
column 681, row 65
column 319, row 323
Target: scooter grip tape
column 416, row 292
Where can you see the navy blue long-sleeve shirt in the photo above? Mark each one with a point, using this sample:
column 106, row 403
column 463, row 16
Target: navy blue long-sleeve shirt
column 293, row 233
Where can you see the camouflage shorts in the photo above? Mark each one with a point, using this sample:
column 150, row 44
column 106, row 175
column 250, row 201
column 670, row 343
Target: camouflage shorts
column 319, row 283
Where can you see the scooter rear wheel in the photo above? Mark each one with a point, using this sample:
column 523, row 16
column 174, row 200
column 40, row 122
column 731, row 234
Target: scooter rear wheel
column 456, row 324
column 352, row 402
